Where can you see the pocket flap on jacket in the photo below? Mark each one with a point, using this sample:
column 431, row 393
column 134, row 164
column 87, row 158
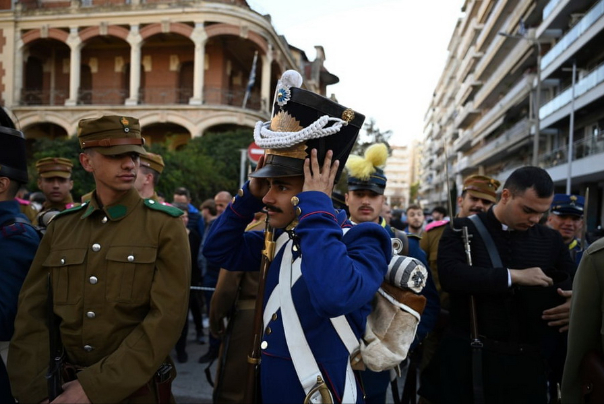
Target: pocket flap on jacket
column 61, row 258
column 134, row 255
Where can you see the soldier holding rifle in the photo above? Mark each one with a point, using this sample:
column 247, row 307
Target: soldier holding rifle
column 521, row 302
column 317, row 273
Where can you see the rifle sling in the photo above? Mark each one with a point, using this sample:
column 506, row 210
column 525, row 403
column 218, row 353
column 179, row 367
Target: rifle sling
column 477, row 344
column 488, row 241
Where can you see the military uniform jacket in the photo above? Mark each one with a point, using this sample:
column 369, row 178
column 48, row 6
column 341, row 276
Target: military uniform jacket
column 586, row 325
column 504, row 313
column 120, row 278
column 429, row 243
column 340, row 276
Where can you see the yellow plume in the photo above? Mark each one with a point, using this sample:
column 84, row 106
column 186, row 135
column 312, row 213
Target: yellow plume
column 362, row 168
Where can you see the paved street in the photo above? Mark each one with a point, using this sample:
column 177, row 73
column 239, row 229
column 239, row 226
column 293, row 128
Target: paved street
column 191, row 385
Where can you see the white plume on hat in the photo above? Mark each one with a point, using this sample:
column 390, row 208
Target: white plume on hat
column 291, row 78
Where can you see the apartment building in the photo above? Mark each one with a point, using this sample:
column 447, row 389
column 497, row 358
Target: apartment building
column 507, row 98
column 402, row 171
column 182, row 67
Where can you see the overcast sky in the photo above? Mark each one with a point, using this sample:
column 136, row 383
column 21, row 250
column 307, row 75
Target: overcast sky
column 388, row 54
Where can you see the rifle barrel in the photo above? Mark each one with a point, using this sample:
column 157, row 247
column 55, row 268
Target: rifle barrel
column 254, row 356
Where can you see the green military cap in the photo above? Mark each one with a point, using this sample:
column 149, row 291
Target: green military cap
column 111, row 135
column 49, row 167
column 153, row 161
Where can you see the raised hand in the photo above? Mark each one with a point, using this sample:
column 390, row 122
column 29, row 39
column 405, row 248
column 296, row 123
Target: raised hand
column 320, row 178
column 259, row 186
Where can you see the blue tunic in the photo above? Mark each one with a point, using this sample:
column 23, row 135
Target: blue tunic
column 18, row 245
column 576, row 250
column 340, row 276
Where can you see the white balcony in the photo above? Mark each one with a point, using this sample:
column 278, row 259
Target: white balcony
column 517, row 133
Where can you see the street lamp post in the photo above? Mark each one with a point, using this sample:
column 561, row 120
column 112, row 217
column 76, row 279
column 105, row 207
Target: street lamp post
column 535, row 42
column 571, row 130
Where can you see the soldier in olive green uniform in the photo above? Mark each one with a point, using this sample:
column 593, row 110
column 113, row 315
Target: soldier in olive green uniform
column 152, row 165
column 54, row 180
column 120, row 279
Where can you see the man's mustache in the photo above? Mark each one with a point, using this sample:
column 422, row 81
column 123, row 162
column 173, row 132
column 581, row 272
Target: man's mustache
column 272, row 208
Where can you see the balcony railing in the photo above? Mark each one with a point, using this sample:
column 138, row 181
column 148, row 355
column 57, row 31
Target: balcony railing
column 581, row 149
column 221, row 96
column 575, row 32
column 42, row 97
column 513, row 135
column 581, row 87
column 547, row 10
column 102, row 96
column 147, row 96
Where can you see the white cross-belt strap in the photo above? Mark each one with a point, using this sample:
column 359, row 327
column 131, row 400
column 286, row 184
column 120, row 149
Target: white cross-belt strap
column 304, row 362
column 306, row 367
column 273, row 304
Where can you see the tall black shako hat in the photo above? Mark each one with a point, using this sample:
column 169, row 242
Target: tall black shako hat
column 13, row 158
column 366, row 172
column 302, row 121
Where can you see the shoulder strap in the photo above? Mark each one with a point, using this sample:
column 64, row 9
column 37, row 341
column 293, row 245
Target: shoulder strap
column 488, row 241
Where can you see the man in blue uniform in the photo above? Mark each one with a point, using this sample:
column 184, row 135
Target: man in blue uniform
column 307, row 143
column 18, row 239
column 566, row 216
column 365, row 198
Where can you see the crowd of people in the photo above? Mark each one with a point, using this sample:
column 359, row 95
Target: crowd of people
column 96, row 295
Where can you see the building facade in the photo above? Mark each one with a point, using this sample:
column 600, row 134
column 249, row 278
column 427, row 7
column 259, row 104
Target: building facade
column 402, row 171
column 182, row 67
column 506, row 98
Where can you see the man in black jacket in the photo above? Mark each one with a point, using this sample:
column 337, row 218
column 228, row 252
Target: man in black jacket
column 520, row 304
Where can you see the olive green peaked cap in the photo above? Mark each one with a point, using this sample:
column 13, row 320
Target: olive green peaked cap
column 111, row 134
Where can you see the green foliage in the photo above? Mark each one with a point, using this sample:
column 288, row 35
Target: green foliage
column 205, row 165
column 371, row 134
column 414, row 192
